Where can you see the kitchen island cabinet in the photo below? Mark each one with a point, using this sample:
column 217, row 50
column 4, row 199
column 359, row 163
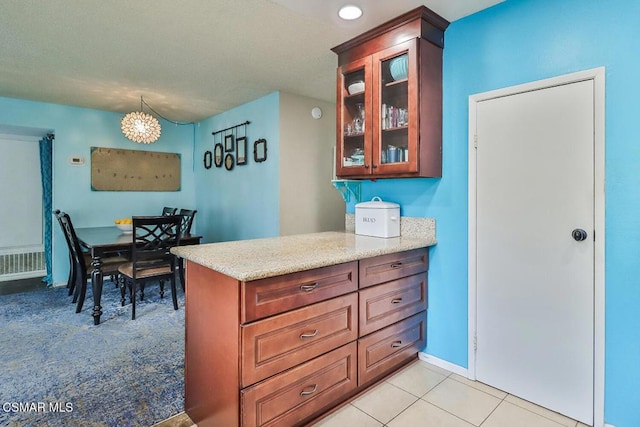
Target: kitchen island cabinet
column 281, row 330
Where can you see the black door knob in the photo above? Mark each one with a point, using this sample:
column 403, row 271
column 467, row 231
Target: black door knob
column 579, row 235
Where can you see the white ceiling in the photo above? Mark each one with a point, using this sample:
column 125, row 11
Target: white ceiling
column 189, row 59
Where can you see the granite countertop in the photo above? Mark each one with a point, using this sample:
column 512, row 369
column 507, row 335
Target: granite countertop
column 260, row 258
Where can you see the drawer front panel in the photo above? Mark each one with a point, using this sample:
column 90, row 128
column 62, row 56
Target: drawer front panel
column 301, row 392
column 384, row 268
column 273, row 295
column 385, row 304
column 382, row 351
column 280, row 342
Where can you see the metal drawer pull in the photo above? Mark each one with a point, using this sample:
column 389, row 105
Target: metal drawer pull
column 306, row 392
column 396, row 301
column 308, row 288
column 396, row 344
column 396, row 265
column 311, row 335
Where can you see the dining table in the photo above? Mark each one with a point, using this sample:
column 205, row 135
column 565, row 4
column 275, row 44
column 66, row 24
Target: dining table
column 108, row 241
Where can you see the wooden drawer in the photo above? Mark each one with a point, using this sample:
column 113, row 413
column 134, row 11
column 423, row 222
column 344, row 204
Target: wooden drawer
column 272, row 345
column 385, row 304
column 382, row 351
column 265, row 297
column 384, row 268
column 289, row 398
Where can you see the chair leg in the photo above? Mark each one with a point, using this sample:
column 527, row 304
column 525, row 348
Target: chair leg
column 123, row 290
column 72, row 279
column 69, row 279
column 174, row 297
column 181, row 272
column 142, row 291
column 161, row 288
column 81, row 291
column 132, row 297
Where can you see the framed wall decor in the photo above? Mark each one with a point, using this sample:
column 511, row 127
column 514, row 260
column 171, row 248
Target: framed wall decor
column 241, row 151
column 260, row 150
column 217, row 154
column 228, row 161
column 208, row 159
column 228, row 143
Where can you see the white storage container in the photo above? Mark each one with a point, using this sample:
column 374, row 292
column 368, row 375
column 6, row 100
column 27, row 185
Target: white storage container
column 378, row 219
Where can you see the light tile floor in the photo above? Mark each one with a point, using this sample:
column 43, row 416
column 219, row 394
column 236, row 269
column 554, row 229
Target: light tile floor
column 426, row 395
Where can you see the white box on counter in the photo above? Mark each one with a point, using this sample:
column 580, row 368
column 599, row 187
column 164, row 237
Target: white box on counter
column 378, row 218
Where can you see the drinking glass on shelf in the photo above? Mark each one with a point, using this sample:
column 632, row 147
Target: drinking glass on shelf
column 358, row 121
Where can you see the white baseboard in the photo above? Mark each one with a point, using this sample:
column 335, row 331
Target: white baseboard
column 456, row 369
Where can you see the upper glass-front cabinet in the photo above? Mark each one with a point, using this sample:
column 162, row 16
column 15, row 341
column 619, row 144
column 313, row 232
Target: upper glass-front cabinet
column 395, row 113
column 354, row 116
column 389, row 106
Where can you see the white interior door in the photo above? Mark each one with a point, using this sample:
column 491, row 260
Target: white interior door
column 535, row 282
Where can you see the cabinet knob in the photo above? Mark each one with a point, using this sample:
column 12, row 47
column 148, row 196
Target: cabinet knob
column 366, row 166
column 396, row 344
column 374, row 166
column 396, row 301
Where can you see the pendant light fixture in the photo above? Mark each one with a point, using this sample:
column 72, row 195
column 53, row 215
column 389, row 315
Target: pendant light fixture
column 140, row 127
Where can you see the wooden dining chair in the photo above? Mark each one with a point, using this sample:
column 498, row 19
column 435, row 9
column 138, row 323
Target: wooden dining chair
column 185, row 229
column 151, row 259
column 71, row 280
column 187, row 220
column 168, row 211
column 80, row 260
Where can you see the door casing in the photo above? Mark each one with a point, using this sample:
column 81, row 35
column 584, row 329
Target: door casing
column 598, row 77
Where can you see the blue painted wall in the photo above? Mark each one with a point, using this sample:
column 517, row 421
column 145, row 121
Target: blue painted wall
column 241, row 203
column 517, row 42
column 77, row 130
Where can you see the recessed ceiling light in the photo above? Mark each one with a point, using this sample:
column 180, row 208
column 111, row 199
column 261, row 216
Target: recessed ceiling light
column 350, row 12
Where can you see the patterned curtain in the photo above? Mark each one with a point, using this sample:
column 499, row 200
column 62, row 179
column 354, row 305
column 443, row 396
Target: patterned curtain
column 46, row 172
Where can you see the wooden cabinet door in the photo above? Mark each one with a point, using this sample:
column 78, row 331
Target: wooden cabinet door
column 385, row 304
column 351, row 141
column 280, row 342
column 383, row 268
column 382, row 351
column 273, row 295
column 395, row 110
column 289, row 398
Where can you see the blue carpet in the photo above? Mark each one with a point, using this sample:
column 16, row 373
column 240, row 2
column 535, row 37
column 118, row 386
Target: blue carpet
column 58, row 369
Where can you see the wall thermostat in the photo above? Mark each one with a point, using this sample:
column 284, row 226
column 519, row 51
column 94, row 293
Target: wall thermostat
column 76, row 160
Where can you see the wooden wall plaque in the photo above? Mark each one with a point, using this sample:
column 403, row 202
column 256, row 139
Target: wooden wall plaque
column 116, row 169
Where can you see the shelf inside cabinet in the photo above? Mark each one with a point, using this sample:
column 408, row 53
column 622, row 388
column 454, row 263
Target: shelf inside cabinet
column 396, row 129
column 356, row 97
column 396, row 82
column 348, row 188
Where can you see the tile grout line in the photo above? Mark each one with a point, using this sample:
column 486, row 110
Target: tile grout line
column 368, row 415
column 450, row 413
column 494, row 409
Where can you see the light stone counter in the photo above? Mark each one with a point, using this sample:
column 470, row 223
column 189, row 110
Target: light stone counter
column 259, row 258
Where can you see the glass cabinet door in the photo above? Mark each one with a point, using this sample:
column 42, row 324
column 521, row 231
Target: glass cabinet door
column 395, row 112
column 354, row 118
